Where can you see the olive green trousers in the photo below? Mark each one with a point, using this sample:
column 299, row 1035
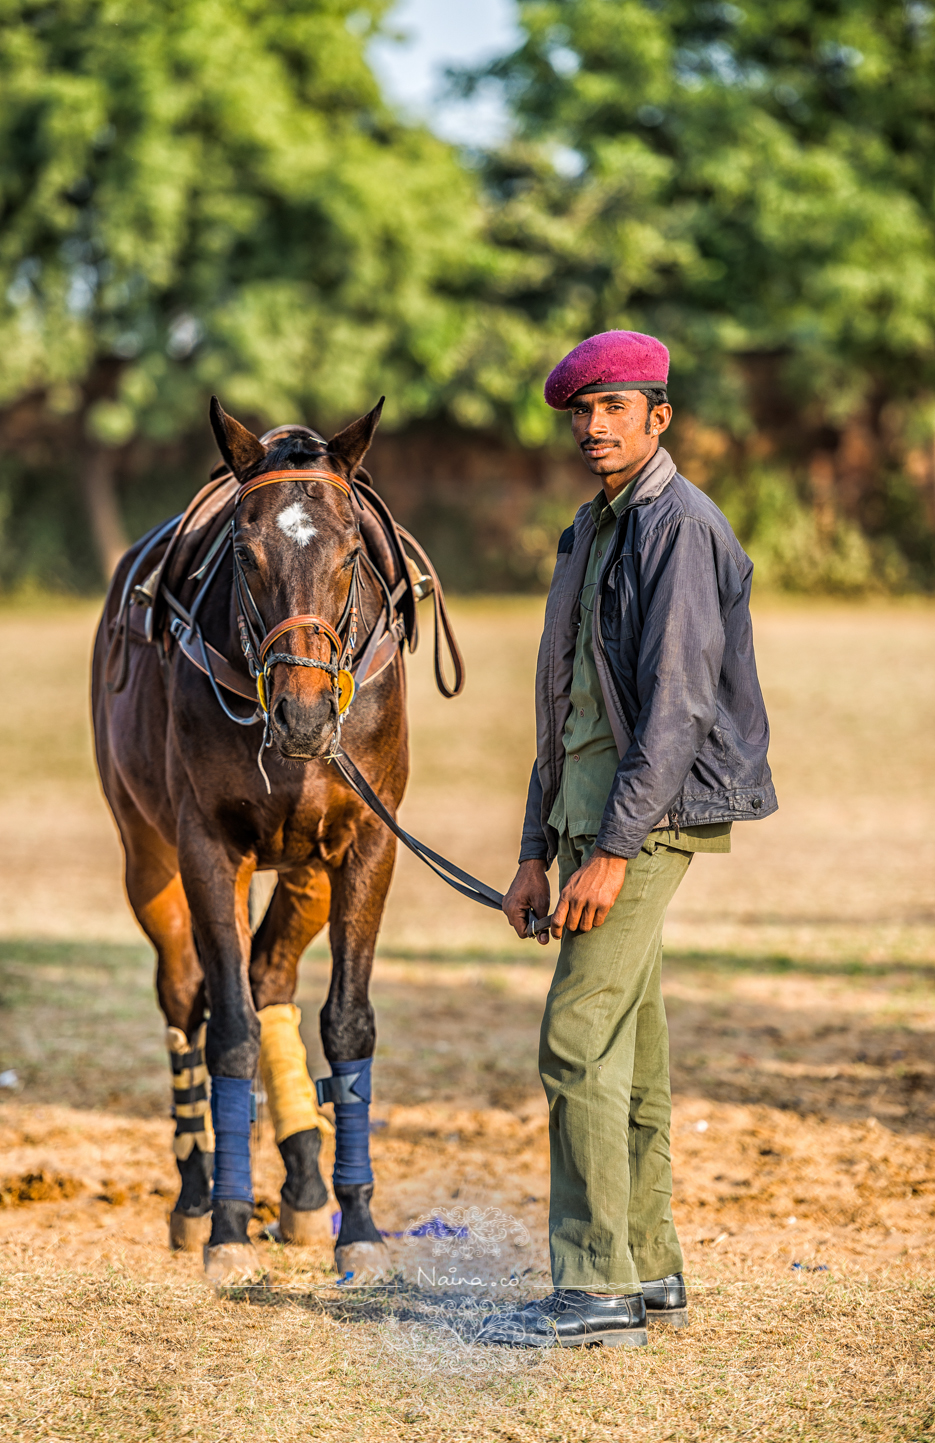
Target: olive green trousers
column 604, row 1064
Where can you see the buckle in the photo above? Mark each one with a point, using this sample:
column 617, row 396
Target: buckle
column 338, row 1090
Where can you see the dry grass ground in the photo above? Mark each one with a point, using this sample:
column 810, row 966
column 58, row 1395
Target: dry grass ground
column 799, row 987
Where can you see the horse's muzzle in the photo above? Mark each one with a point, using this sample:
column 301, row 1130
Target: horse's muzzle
column 304, row 730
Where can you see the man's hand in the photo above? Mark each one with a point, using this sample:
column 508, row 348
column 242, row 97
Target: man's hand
column 589, row 893
column 530, row 888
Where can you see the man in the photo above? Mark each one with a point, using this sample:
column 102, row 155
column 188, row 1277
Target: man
column 651, row 741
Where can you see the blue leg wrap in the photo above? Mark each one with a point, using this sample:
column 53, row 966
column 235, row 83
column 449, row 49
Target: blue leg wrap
column 230, row 1112
column 352, row 1122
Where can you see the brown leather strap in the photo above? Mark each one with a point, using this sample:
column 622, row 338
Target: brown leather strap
column 443, row 625
column 373, row 641
column 270, row 477
column 386, row 637
column 292, row 623
column 386, row 523
column 187, row 523
column 383, row 654
column 224, row 673
column 231, row 680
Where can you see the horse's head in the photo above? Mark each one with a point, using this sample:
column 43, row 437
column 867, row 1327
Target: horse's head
column 296, row 546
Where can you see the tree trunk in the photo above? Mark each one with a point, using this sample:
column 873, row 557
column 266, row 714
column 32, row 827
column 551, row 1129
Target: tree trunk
column 98, row 482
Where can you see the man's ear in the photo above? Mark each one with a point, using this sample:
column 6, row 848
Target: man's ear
column 351, row 445
column 239, row 447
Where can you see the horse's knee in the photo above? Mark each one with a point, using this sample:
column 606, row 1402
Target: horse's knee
column 233, row 1043
column 347, row 1031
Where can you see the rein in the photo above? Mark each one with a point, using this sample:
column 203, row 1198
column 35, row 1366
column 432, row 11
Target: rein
column 257, row 643
column 260, row 658
column 456, row 877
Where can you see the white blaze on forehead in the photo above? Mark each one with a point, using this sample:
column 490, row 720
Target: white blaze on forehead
column 294, row 522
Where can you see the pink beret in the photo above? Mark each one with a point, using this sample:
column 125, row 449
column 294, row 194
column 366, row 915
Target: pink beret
column 614, row 358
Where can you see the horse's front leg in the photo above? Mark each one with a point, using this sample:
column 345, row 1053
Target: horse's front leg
column 217, row 883
column 358, row 893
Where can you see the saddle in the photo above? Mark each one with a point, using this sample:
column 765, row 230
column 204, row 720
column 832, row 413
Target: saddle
column 176, row 563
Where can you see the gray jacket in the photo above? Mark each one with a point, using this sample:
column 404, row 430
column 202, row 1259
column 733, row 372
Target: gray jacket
column 673, row 647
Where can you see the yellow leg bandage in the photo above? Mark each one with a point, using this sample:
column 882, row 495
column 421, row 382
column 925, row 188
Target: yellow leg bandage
column 290, row 1091
column 193, row 1126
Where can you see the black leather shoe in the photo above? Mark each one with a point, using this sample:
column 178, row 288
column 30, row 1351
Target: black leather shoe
column 571, row 1318
column 667, row 1301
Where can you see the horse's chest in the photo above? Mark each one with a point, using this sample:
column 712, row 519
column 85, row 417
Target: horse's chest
column 291, row 836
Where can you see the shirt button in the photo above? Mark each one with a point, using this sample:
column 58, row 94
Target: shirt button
column 581, row 712
column 576, row 758
column 600, row 553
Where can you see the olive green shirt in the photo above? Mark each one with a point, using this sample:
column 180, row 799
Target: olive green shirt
column 591, row 756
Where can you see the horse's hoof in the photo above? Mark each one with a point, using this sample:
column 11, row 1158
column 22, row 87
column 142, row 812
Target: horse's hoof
column 304, row 1229
column 233, row 1263
column 188, row 1235
column 367, row 1262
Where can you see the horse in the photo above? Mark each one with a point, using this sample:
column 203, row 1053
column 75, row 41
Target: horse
column 285, row 542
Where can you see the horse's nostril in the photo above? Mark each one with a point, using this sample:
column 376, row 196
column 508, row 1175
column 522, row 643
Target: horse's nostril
column 303, row 724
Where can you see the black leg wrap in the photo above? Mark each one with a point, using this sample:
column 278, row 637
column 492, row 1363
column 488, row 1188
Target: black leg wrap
column 304, row 1190
column 229, row 1218
column 357, row 1225
column 196, row 1172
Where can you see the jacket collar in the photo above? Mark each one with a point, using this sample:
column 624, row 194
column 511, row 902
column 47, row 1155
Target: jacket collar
column 654, row 478
column 650, row 483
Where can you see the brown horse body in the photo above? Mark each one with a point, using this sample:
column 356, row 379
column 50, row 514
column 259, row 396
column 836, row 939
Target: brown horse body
column 197, row 822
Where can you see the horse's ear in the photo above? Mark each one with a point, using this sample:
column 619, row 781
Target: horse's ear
column 239, row 447
column 351, row 445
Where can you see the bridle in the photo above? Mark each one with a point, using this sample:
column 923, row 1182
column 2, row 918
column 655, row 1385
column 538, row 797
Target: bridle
column 257, row 643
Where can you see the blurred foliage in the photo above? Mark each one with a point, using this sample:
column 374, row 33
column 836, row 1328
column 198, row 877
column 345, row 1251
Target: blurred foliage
column 755, row 179
column 212, row 195
column 754, row 182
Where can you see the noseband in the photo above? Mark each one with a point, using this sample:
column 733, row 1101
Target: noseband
column 257, row 643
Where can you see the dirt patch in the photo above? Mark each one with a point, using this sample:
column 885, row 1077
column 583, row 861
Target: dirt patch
column 817, row 1328
column 798, row 978
column 750, row 1182
column 41, row 1186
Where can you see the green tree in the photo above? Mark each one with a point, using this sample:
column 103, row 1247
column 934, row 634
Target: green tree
column 202, row 195
column 756, row 183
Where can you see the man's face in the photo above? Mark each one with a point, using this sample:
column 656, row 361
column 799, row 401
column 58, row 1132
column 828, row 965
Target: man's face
column 611, row 431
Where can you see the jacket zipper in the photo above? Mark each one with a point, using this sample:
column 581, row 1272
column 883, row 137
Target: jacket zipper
column 674, row 818
column 598, row 637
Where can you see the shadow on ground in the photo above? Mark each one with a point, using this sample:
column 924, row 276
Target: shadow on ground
column 840, row 1040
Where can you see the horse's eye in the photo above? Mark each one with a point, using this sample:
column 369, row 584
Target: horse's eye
column 351, row 558
column 246, row 558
